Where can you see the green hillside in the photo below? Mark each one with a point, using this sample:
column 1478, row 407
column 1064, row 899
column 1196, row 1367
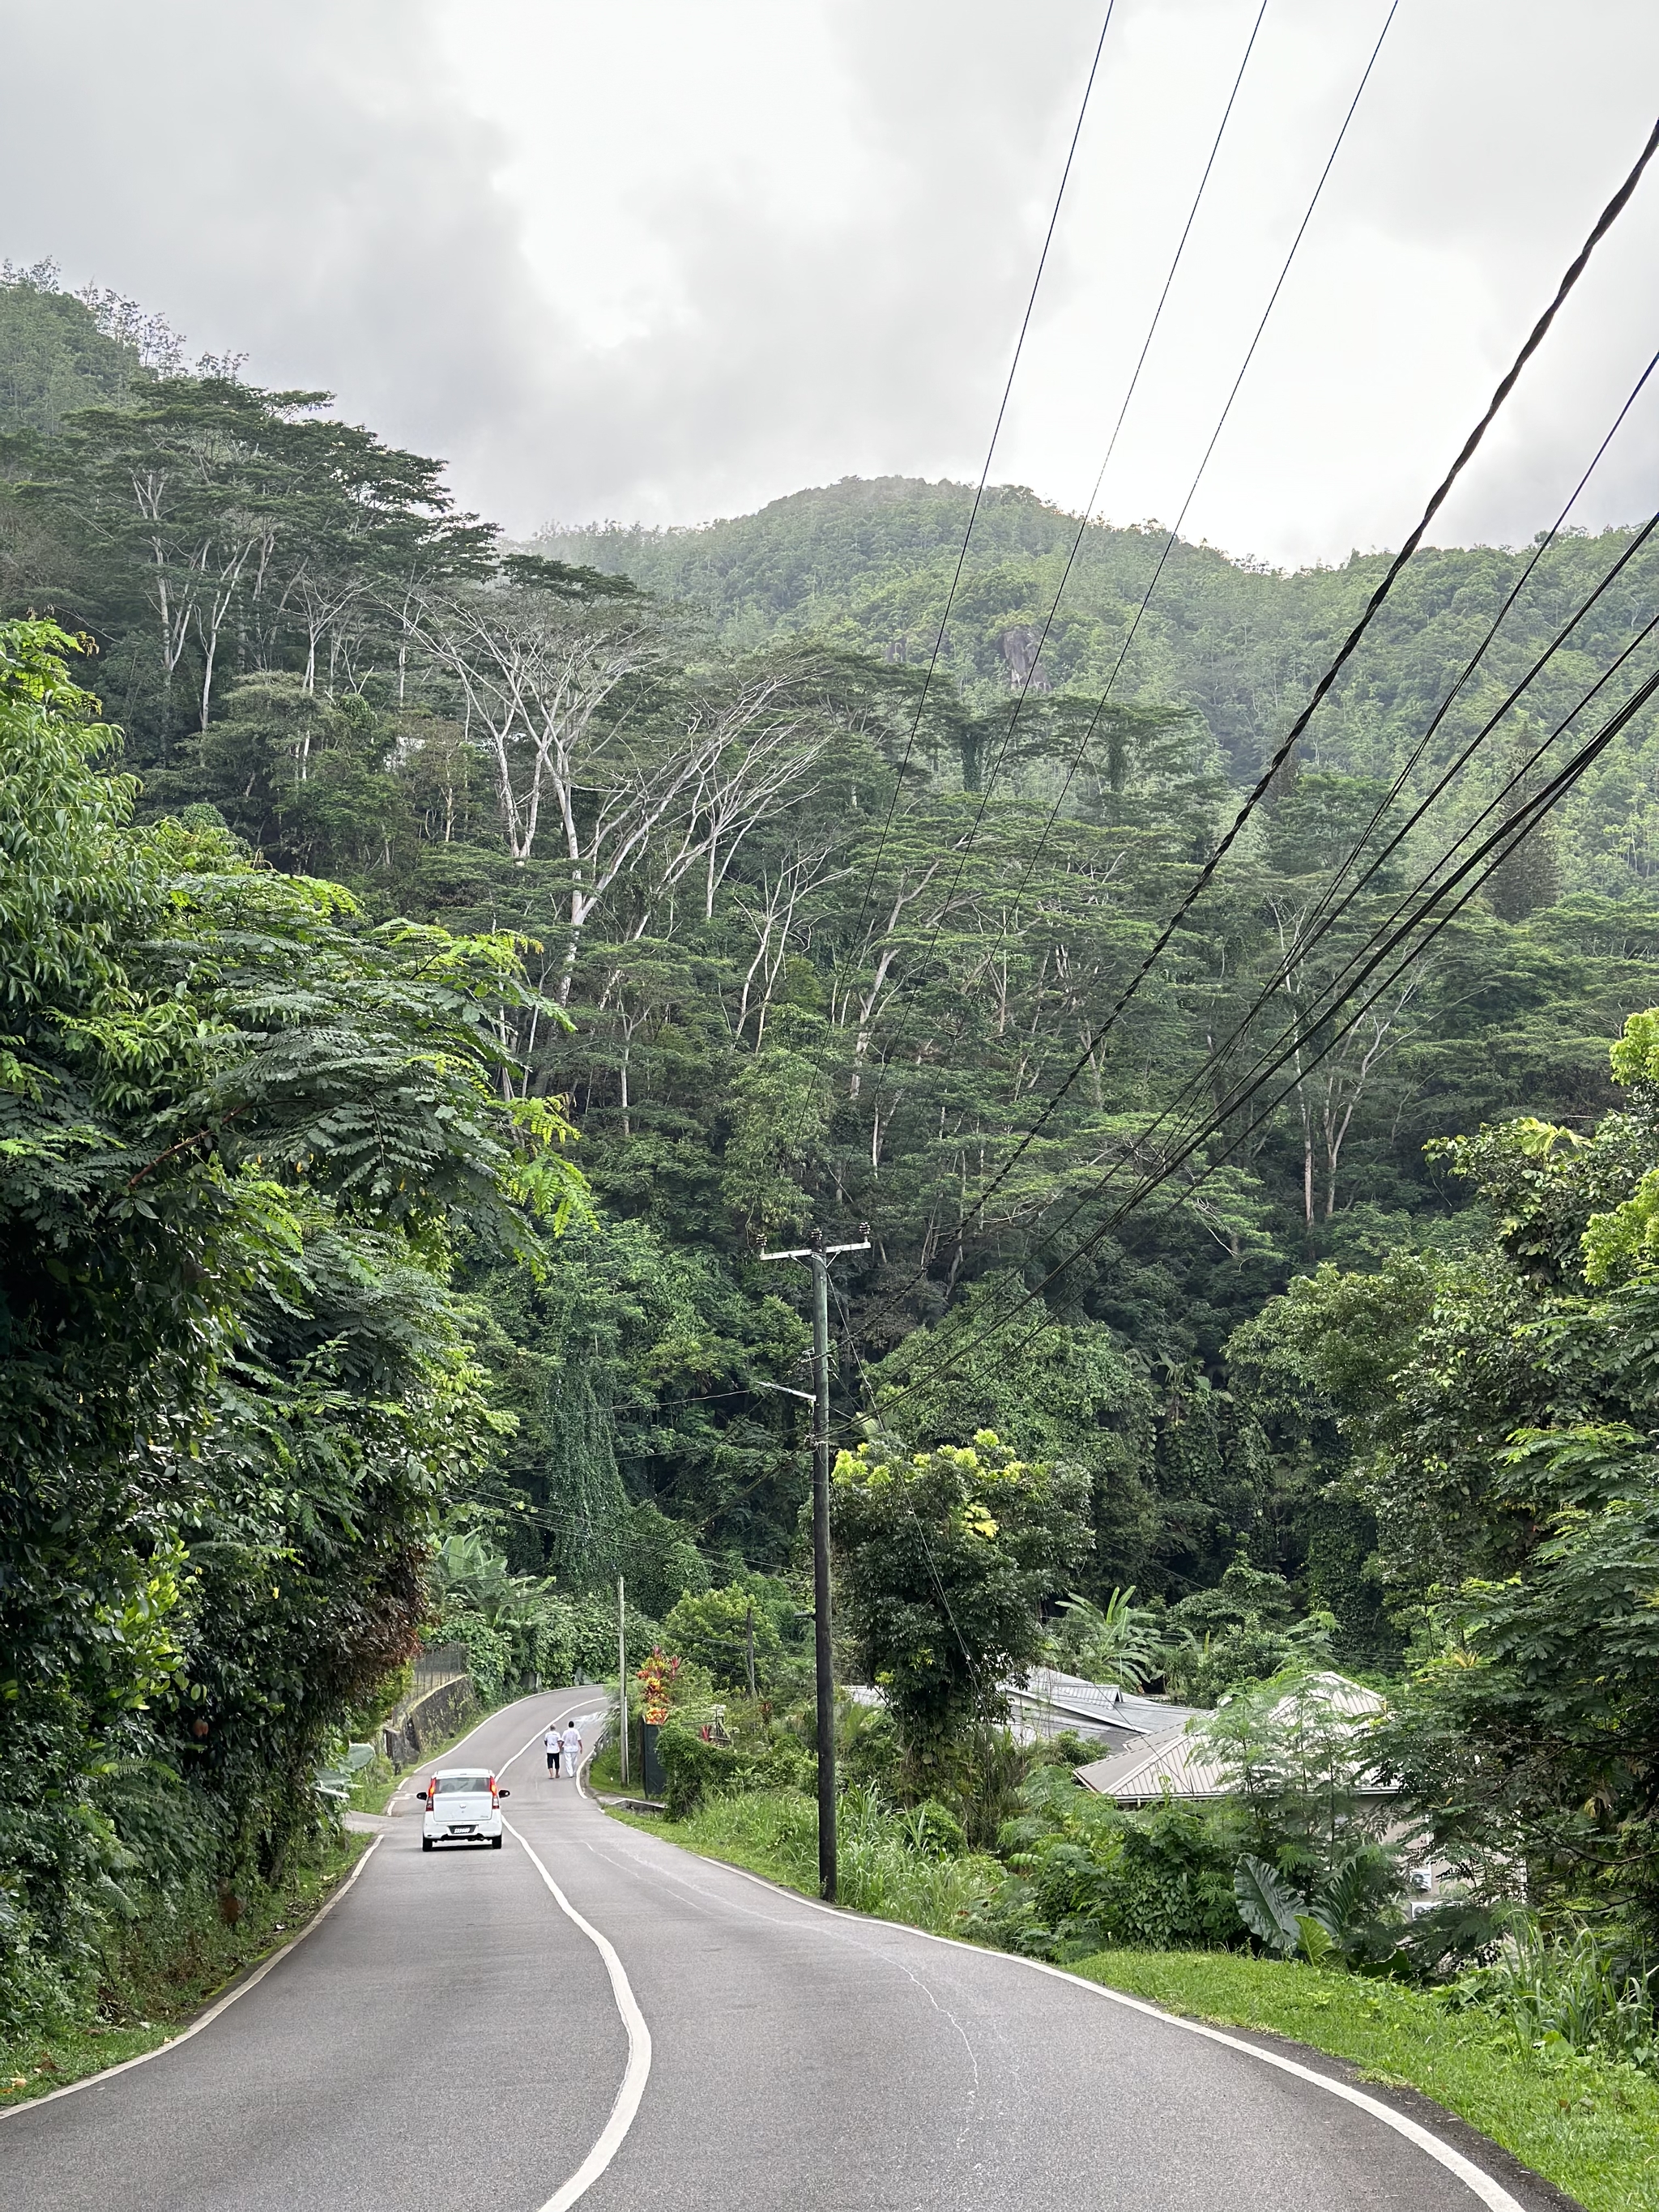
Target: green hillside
column 437, row 974
column 869, row 564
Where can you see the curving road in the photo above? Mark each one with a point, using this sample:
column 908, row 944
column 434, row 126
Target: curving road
column 449, row 2035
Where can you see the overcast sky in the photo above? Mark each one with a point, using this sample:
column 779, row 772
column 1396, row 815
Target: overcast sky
column 667, row 259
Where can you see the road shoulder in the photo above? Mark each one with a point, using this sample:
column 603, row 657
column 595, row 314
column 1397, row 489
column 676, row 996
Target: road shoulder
column 38, row 2068
column 1541, row 2142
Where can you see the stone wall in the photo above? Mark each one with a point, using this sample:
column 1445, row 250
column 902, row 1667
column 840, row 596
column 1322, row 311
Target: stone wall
column 421, row 1722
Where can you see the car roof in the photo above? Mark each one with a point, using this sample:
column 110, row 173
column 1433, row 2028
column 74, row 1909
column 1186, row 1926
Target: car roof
column 485, row 1771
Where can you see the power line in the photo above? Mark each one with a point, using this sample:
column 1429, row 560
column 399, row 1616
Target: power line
column 1209, row 450
column 1494, row 850
column 1416, row 754
column 1389, row 935
column 989, row 782
column 1323, row 921
column 1351, row 643
column 1382, row 942
column 984, row 474
column 1373, row 606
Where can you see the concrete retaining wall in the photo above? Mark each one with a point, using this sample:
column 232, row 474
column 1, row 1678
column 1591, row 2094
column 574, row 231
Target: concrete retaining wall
column 420, row 1721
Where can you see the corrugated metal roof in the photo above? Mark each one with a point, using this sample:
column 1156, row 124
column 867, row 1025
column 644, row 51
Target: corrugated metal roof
column 1180, row 1764
column 1096, row 1703
column 1173, row 1765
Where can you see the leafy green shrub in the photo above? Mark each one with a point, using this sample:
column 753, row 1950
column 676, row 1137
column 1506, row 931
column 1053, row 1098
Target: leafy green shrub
column 1117, row 1642
column 715, row 1627
column 1069, row 1749
column 1243, row 1630
column 553, row 1641
column 933, row 1830
column 593, row 1634
column 910, row 1866
column 698, row 1769
column 489, row 1653
column 1086, row 1876
column 944, row 1557
column 867, row 1748
column 1577, row 1992
column 1304, row 1769
column 1351, row 1914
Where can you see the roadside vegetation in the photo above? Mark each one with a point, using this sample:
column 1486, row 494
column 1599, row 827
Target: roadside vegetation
column 152, row 1974
column 361, row 875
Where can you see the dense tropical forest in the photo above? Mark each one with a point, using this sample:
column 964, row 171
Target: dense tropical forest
column 436, row 970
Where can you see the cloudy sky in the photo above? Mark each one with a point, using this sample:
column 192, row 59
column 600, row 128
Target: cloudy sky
column 667, row 259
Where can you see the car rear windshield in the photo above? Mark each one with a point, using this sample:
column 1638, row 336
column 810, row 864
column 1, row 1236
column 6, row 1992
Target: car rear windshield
column 471, row 1783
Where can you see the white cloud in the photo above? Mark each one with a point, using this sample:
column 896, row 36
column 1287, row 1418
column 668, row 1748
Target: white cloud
column 667, row 261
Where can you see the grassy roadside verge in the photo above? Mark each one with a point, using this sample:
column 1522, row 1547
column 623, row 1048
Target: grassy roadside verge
column 1590, row 2127
column 775, row 1833
column 759, row 1854
column 165, row 1971
column 604, row 1772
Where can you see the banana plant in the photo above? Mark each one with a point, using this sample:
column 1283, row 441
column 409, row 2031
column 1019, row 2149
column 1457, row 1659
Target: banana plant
column 1117, row 1644
column 1346, row 1919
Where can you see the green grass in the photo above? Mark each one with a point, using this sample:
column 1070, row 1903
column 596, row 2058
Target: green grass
column 604, row 1772
column 775, row 1833
column 163, row 1970
column 1589, row 2126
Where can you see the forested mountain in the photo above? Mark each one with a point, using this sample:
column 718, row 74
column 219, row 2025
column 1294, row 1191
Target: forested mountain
column 869, row 564
column 659, row 833
column 775, row 1007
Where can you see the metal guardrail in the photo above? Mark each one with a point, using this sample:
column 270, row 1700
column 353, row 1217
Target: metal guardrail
column 443, row 1662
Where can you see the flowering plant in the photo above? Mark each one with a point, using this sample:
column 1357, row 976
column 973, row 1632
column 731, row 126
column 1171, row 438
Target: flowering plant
column 656, row 1677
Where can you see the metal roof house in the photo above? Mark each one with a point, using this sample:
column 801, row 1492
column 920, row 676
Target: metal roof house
column 1174, row 1763
column 1049, row 1702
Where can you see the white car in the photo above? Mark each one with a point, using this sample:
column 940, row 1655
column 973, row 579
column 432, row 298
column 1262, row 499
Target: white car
column 463, row 1806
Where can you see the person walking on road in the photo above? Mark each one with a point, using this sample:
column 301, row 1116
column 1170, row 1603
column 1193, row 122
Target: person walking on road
column 573, row 1749
column 550, row 1746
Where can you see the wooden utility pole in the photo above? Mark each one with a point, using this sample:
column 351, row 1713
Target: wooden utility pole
column 818, row 1256
column 621, row 1677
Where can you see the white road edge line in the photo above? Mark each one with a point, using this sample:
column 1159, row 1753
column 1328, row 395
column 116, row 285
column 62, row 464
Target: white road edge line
column 638, row 2068
column 1491, row 2193
column 206, row 2019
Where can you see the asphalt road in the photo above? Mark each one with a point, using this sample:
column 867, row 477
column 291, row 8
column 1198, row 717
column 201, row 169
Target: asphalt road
column 449, row 2037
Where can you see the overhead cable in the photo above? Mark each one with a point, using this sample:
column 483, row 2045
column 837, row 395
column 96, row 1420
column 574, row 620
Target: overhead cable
column 989, row 782
column 984, row 474
column 1350, row 645
column 1488, row 855
column 1324, row 918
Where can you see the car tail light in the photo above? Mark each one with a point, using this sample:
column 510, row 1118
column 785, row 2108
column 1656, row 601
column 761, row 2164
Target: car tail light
column 494, row 1799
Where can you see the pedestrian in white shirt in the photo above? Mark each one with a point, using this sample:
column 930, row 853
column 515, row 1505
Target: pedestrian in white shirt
column 573, row 1749
column 550, row 1746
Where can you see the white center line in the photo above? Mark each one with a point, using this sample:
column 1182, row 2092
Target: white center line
column 636, row 2074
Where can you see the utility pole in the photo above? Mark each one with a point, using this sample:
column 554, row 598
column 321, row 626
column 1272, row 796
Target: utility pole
column 749, row 1631
column 818, row 1254
column 622, row 1676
